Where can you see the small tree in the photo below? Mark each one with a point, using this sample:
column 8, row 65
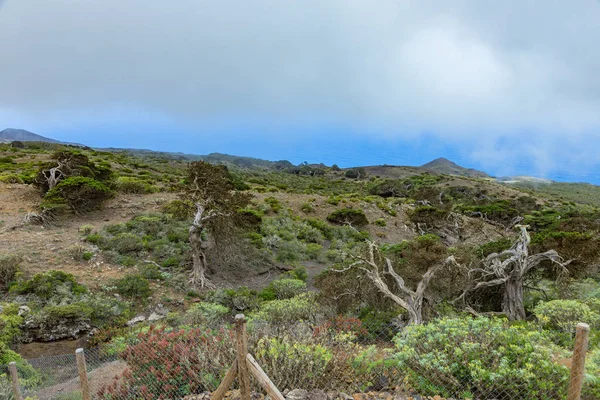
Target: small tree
column 78, row 193
column 211, row 191
column 377, row 267
column 509, row 269
column 65, row 164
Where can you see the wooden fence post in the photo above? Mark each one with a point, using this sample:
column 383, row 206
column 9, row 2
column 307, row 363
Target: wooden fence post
column 578, row 362
column 263, row 379
column 83, row 378
column 12, row 369
column 242, row 351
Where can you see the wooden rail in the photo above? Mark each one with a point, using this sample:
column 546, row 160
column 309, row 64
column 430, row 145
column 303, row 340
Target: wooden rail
column 245, row 365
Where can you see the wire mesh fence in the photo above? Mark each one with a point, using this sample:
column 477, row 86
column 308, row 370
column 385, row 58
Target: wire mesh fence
column 337, row 359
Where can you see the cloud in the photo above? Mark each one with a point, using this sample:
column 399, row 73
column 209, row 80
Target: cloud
column 508, row 80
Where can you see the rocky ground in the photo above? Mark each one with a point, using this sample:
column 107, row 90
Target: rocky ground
column 300, row 394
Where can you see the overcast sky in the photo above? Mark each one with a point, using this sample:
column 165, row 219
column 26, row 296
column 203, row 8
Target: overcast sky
column 512, row 87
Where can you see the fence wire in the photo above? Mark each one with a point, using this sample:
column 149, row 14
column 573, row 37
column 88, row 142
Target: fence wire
column 336, row 360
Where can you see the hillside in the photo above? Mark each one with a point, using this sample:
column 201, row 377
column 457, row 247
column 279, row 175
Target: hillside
column 11, row 134
column 445, row 166
column 105, row 272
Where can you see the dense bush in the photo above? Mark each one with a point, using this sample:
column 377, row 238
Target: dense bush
column 287, row 312
column 10, row 323
column 240, row 299
column 564, row 315
column 480, row 358
column 206, row 315
column 283, row 289
column 126, row 184
column 293, row 364
column 134, row 286
column 173, row 364
column 48, row 284
column 80, row 194
column 354, row 217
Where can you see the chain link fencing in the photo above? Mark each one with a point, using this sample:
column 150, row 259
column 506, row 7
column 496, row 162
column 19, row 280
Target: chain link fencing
column 338, row 359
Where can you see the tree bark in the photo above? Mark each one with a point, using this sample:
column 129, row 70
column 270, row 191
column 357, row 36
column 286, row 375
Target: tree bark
column 512, row 303
column 199, row 264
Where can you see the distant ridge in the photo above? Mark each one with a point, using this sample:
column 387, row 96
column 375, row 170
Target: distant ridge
column 444, row 166
column 11, row 134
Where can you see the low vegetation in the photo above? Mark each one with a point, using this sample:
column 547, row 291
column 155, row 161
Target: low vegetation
column 351, row 279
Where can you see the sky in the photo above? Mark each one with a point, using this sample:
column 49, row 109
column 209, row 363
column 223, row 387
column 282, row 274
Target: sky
column 510, row 87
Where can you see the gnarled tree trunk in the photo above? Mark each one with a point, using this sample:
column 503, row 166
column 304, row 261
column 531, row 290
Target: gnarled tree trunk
column 199, row 264
column 198, row 245
column 510, row 269
column 513, row 300
column 408, row 299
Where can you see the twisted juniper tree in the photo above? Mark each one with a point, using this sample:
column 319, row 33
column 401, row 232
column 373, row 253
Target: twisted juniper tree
column 210, row 190
column 378, row 268
column 510, row 269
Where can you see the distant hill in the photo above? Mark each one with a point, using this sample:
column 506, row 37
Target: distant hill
column 445, row 166
column 11, row 134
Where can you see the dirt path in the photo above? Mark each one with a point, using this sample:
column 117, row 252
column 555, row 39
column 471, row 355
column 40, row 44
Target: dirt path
column 98, row 378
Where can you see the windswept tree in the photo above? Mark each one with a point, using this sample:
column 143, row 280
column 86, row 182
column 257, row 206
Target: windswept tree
column 211, row 192
column 509, row 269
column 380, row 270
column 66, row 164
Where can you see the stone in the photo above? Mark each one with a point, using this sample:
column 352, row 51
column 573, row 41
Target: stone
column 297, row 394
column 45, row 330
column 155, row 317
column 136, row 320
column 24, row 310
column 318, row 394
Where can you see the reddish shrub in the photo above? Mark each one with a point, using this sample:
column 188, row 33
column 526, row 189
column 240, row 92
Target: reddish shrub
column 342, row 324
column 172, row 364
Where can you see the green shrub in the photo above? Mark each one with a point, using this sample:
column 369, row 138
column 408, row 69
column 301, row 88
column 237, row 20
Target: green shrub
column 497, row 246
column 352, row 174
column 380, row 222
column 564, row 315
column 107, row 311
column 274, row 204
column 150, row 271
column 480, row 358
column 80, row 194
column 206, row 314
column 95, row 238
column 49, row 284
column 293, row 364
column 241, row 299
column 314, row 251
column 290, row 251
column 591, row 384
column 289, row 311
column 307, row 208
column 9, row 265
column 86, row 229
column 299, row 273
column 11, row 178
column 72, row 311
column 87, row 255
column 125, row 243
column 287, row 288
column 10, row 323
column 76, row 252
column 171, row 262
column 354, row 217
column 179, row 209
column 134, row 286
column 126, row 184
